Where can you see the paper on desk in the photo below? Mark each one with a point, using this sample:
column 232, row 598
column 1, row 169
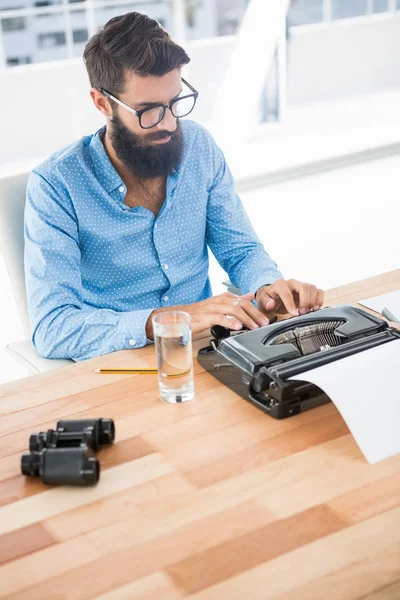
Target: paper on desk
column 365, row 388
column 391, row 301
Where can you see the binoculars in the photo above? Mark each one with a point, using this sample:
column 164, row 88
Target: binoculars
column 66, row 455
column 93, row 433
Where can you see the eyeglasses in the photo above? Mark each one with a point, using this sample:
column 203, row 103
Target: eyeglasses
column 150, row 117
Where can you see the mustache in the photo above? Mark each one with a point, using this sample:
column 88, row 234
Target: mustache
column 159, row 135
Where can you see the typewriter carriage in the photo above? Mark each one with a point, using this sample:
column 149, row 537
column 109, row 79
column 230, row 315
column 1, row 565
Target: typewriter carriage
column 258, row 364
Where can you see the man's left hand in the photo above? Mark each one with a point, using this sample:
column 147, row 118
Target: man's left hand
column 290, row 296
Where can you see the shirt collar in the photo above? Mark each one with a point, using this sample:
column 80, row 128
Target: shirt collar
column 103, row 167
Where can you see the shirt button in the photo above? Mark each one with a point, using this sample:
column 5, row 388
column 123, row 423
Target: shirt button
column 132, row 342
column 122, row 189
column 155, row 226
column 166, row 267
column 165, row 298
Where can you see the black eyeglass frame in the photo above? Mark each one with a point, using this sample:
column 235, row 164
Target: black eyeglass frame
column 139, row 113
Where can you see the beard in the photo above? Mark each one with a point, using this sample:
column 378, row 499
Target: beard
column 146, row 160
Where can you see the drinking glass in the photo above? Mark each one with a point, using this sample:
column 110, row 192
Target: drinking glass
column 173, row 343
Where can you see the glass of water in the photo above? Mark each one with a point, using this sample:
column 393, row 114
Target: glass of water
column 173, row 342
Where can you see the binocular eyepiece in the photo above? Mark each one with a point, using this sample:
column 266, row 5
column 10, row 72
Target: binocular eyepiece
column 93, row 433
column 66, row 455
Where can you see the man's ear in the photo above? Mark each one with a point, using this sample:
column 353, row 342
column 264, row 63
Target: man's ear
column 101, row 102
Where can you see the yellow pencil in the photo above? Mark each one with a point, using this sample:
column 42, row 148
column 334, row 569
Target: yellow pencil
column 139, row 372
column 132, row 371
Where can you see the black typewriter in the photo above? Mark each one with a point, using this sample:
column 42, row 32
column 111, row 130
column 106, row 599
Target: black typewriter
column 258, row 364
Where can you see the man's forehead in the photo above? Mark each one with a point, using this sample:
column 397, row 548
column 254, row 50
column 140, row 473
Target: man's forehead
column 152, row 88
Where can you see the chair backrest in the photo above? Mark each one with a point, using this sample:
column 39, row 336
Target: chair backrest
column 12, row 206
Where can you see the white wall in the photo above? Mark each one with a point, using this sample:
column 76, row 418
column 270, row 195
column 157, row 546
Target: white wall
column 343, row 58
column 330, row 229
column 44, row 107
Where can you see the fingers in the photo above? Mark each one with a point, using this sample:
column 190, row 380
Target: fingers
column 248, row 314
column 228, row 322
column 310, row 297
column 205, row 322
column 283, row 290
column 296, row 297
column 269, row 304
column 319, row 300
column 243, row 311
column 306, row 296
column 249, row 296
column 233, row 311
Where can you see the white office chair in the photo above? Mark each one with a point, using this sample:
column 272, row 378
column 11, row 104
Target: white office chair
column 12, row 205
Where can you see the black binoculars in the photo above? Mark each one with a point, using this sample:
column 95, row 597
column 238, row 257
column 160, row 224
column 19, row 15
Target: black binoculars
column 64, row 466
column 65, row 456
column 93, row 433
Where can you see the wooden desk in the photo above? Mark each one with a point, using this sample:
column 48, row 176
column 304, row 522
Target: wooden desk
column 209, row 500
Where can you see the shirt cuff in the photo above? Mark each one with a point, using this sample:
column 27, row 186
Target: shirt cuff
column 131, row 330
column 266, row 279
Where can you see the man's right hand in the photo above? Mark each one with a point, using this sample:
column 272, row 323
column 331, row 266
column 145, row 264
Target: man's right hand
column 226, row 309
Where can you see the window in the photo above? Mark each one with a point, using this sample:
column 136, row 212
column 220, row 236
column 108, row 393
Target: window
column 80, row 35
column 49, row 40
column 13, row 23
column 42, row 4
column 305, row 12
column 18, row 60
column 343, row 9
column 380, row 6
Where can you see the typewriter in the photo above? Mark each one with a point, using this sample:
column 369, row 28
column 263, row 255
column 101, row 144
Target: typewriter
column 258, row 364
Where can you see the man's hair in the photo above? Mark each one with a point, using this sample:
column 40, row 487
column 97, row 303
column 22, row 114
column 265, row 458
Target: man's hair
column 130, row 43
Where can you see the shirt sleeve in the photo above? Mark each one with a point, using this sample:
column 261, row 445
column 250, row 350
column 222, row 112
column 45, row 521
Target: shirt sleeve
column 63, row 325
column 231, row 236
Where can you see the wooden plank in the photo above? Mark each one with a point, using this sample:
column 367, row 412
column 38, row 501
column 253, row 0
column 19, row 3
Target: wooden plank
column 28, row 570
column 154, row 587
column 241, row 459
column 132, row 414
column 57, row 500
column 352, row 580
column 164, row 518
column 286, row 576
column 151, row 496
column 132, row 557
column 24, row 541
column 280, row 477
column 342, row 472
column 369, row 500
column 389, row 592
column 226, row 560
column 373, row 285
column 18, row 487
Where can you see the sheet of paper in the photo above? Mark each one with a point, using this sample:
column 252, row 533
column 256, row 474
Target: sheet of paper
column 391, row 301
column 365, row 388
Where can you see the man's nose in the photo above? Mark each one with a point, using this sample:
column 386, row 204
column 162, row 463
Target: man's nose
column 168, row 121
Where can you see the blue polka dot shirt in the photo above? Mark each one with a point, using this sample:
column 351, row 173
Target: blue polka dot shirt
column 96, row 269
